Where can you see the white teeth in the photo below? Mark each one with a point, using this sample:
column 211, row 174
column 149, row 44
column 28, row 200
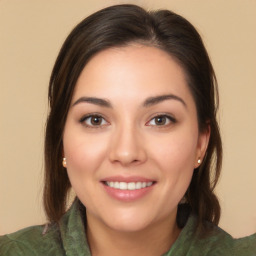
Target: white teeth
column 138, row 185
column 129, row 185
column 123, row 185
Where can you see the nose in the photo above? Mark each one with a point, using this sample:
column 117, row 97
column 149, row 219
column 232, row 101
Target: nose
column 127, row 147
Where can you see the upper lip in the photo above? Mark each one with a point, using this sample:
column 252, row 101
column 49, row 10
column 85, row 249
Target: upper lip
column 127, row 179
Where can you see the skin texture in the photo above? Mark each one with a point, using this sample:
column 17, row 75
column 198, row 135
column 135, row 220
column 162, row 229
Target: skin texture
column 130, row 141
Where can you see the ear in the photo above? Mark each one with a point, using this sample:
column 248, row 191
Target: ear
column 202, row 145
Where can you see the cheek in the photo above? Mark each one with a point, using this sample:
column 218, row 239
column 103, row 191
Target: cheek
column 176, row 151
column 175, row 157
column 84, row 153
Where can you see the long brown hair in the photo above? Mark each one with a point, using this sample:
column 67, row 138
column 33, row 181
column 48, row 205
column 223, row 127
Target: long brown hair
column 117, row 26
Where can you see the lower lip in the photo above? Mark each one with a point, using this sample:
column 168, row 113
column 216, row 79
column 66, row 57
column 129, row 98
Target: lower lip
column 127, row 195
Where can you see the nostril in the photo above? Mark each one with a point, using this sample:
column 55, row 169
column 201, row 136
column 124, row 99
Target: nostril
column 126, row 149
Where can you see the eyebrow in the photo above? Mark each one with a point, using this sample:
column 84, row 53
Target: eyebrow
column 155, row 100
column 147, row 103
column 95, row 101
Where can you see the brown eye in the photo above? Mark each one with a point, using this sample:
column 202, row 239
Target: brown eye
column 93, row 121
column 161, row 120
column 96, row 120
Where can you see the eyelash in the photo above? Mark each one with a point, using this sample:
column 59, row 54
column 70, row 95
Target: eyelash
column 90, row 116
column 170, row 119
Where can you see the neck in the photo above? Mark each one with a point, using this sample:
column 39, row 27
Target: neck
column 154, row 240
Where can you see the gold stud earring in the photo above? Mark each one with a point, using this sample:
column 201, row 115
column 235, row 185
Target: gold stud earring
column 64, row 162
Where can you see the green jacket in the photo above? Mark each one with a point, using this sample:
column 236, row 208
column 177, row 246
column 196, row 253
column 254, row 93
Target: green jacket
column 68, row 238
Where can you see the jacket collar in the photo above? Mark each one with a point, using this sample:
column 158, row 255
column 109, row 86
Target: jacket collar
column 73, row 232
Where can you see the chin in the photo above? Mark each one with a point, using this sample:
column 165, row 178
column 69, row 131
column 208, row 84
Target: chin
column 129, row 225
column 120, row 219
column 132, row 220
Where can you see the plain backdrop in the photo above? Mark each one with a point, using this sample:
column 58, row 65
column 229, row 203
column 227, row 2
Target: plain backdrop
column 31, row 34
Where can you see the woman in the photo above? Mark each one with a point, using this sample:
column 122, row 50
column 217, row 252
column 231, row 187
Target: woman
column 132, row 129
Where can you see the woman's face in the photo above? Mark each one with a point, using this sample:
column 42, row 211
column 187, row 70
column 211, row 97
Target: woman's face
column 131, row 138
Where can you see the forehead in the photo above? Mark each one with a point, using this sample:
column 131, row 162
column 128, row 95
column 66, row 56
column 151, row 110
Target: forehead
column 134, row 71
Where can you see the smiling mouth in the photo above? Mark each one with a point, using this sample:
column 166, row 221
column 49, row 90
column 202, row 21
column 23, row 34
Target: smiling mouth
column 128, row 185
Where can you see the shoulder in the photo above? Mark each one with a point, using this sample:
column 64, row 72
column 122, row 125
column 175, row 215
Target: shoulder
column 32, row 241
column 215, row 242
column 245, row 246
column 67, row 237
column 219, row 242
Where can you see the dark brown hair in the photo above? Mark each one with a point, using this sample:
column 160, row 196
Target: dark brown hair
column 118, row 26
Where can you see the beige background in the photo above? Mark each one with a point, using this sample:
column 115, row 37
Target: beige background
column 31, row 33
